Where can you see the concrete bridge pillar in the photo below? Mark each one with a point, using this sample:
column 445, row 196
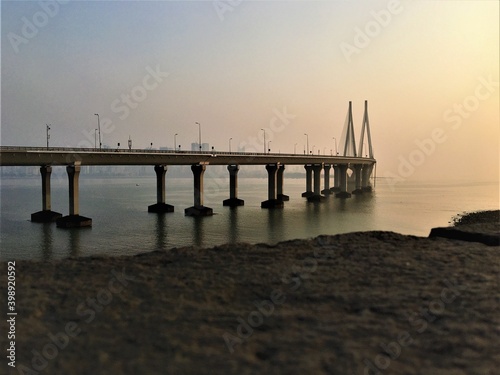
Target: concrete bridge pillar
column 365, row 180
column 357, row 172
column 46, row 215
column 160, row 206
column 336, row 179
column 272, row 201
column 279, row 184
column 309, row 170
column 233, row 200
column 326, row 190
column 198, row 209
column 316, row 197
column 74, row 220
column 343, row 182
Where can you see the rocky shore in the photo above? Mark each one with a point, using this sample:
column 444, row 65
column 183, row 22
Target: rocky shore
column 358, row 303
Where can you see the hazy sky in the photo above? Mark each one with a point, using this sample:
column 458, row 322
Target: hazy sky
column 429, row 70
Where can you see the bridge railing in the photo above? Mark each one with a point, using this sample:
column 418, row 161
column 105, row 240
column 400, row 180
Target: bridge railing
column 153, row 151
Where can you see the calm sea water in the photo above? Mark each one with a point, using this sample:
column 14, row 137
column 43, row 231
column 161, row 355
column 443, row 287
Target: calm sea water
column 122, row 225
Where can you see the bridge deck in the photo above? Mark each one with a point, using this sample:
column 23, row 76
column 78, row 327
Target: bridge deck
column 34, row 156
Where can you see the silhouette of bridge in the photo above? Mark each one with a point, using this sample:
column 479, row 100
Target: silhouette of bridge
column 75, row 158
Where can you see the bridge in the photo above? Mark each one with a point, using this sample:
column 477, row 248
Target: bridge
column 75, row 158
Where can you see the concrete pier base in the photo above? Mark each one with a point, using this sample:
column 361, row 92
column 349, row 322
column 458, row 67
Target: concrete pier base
column 160, row 207
column 198, row 209
column 233, row 200
column 74, row 221
column 272, row 199
column 283, row 197
column 272, row 203
column 46, row 215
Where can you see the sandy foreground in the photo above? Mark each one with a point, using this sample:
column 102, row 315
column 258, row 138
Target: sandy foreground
column 359, row 303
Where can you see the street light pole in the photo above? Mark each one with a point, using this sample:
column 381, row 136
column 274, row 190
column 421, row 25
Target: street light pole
column 199, row 134
column 99, row 128
column 48, row 135
column 264, row 140
column 95, row 139
column 230, row 144
column 175, row 141
column 269, row 147
column 307, row 135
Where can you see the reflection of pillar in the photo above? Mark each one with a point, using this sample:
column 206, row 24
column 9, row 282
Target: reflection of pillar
column 357, row 173
column 343, row 182
column 46, row 215
column 317, row 184
column 365, row 183
column 74, row 219
column 327, row 190
column 233, row 200
column 198, row 209
column 279, row 184
column 272, row 202
column 308, row 192
column 160, row 206
column 336, row 179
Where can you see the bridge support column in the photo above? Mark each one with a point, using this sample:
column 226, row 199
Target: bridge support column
column 198, row 209
column 357, row 172
column 316, row 197
column 46, row 215
column 309, row 169
column 365, row 180
column 336, row 179
column 74, row 220
column 326, row 190
column 160, row 207
column 272, row 201
column 233, row 200
column 279, row 184
column 343, row 182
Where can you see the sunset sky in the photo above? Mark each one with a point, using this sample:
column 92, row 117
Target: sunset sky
column 429, row 70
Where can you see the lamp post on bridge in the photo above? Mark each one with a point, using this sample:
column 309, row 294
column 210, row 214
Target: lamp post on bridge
column 95, row 139
column 48, row 135
column 269, row 147
column 307, row 136
column 99, row 128
column 175, row 141
column 199, row 134
column 264, row 139
column 230, row 144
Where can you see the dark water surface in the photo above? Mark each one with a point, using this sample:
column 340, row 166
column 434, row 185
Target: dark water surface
column 122, row 225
